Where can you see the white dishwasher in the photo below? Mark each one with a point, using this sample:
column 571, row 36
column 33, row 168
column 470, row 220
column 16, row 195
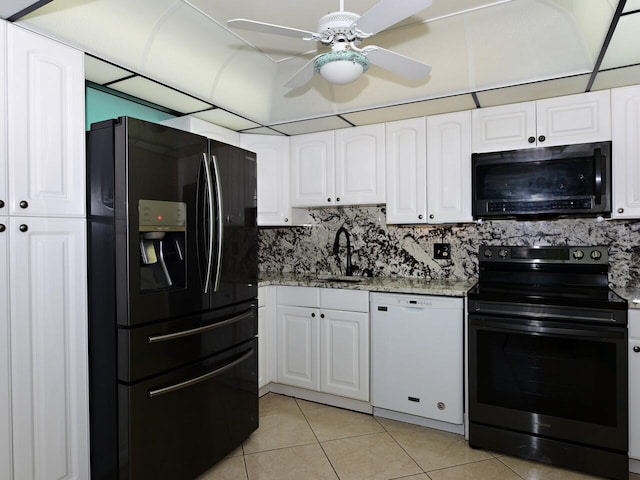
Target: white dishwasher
column 417, row 356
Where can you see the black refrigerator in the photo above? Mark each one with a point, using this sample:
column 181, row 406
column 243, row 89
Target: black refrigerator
column 172, row 243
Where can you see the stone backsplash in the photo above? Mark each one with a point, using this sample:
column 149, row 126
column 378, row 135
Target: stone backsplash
column 407, row 251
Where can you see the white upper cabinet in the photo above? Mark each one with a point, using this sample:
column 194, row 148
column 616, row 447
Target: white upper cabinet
column 341, row 167
column 274, row 205
column 4, row 198
column 46, row 151
column 313, row 169
column 360, row 153
column 564, row 120
column 406, row 171
column 626, row 152
column 206, row 129
column 449, row 168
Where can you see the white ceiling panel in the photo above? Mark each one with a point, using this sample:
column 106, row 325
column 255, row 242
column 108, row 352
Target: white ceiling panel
column 533, row 91
column 624, row 48
column 262, row 131
column 100, row 72
column 159, row 94
column 313, row 125
column 618, row 77
column 226, row 119
column 412, row 110
column 9, row 8
column 631, row 5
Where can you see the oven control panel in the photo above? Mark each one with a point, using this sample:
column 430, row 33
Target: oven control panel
column 598, row 255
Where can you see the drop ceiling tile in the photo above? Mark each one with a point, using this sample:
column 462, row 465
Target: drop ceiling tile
column 312, row 125
column 226, row 119
column 618, row 77
column 624, row 48
column 412, row 110
column 263, row 131
column 97, row 71
column 631, row 5
column 159, row 94
column 533, row 91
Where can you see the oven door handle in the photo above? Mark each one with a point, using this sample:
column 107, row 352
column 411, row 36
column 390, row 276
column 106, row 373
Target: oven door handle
column 543, row 328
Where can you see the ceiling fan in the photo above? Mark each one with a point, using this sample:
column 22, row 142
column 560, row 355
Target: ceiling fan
column 342, row 32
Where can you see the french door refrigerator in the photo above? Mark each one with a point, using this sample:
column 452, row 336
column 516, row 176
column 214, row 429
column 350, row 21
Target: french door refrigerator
column 173, row 300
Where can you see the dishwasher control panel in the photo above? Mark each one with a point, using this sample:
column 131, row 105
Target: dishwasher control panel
column 384, row 301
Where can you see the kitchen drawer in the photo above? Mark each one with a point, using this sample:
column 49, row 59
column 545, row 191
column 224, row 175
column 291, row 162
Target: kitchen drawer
column 299, row 296
column 340, row 299
column 634, row 323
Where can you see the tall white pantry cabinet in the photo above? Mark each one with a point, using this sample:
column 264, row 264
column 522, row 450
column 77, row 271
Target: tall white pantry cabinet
column 44, row 429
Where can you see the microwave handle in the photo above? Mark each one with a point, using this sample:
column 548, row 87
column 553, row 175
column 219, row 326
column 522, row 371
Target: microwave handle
column 598, row 160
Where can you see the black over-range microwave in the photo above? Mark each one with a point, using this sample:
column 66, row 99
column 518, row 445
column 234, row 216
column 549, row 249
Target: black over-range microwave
column 562, row 181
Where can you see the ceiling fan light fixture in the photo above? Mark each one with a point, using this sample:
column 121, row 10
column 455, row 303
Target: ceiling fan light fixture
column 341, row 66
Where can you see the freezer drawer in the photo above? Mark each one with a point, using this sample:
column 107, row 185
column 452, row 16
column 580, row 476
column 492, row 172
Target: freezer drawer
column 154, row 349
column 176, row 426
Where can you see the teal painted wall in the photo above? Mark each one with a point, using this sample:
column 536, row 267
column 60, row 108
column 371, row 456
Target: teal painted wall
column 101, row 105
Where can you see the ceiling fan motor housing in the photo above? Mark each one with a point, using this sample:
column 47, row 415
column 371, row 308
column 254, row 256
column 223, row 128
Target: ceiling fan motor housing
column 338, row 26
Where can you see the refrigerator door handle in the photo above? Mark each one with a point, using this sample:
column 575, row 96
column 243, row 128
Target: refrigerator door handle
column 216, row 169
column 201, row 378
column 196, row 331
column 207, row 169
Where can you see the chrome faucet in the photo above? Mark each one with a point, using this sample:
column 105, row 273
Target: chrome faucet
column 336, row 248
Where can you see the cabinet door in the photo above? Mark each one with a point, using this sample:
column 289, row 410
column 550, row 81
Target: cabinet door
column 313, row 170
column 507, row 127
column 46, row 107
column 4, row 197
column 298, row 347
column 48, row 269
column 274, row 206
column 5, row 354
column 449, row 168
column 406, row 171
column 634, row 384
column 344, row 354
column 574, row 119
column 360, row 161
column 626, row 152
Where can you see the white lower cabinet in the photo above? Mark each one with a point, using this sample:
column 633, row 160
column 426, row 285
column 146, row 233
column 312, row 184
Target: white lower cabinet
column 634, row 384
column 5, row 355
column 322, row 348
column 48, row 345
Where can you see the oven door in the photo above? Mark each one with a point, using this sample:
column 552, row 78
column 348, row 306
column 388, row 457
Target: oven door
column 562, row 381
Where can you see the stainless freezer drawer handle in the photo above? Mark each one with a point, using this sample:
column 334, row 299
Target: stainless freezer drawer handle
column 207, row 169
column 216, row 169
column 195, row 331
column 201, row 378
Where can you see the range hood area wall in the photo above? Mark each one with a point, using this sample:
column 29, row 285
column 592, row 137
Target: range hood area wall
column 389, row 250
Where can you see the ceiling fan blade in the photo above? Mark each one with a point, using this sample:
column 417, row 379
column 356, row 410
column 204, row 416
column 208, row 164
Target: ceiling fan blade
column 396, row 63
column 302, row 76
column 388, row 12
column 244, row 24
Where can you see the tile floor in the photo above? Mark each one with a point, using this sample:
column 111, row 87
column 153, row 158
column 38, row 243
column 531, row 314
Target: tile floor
column 300, row 440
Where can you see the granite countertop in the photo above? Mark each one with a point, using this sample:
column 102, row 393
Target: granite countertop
column 632, row 295
column 372, row 284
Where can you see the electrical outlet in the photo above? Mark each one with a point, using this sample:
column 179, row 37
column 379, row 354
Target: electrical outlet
column 442, row 251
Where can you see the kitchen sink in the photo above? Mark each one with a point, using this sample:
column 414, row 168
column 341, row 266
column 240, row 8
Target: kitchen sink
column 340, row 278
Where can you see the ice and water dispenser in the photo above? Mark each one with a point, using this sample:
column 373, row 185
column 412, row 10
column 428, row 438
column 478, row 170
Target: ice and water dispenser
column 163, row 230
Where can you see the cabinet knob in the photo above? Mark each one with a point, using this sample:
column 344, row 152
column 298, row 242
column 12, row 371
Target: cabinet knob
column 1, row 204
column 328, row 199
column 322, row 315
column 313, row 315
column 24, row 228
column 286, row 220
column 531, row 139
column 2, row 227
column 24, row 204
column 441, row 405
column 621, row 210
column 636, row 349
column 542, row 138
column 338, row 199
column 432, row 216
column 420, row 217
